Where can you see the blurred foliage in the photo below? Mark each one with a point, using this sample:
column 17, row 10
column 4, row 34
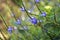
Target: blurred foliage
column 48, row 29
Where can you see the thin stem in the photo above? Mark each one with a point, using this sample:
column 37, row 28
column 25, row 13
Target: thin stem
column 13, row 13
column 55, row 14
column 14, row 16
column 26, row 10
column 55, row 18
column 40, row 10
column 4, row 21
column 11, row 9
column 41, row 25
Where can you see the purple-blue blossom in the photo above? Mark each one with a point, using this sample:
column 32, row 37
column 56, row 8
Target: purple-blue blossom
column 37, row 1
column 43, row 14
column 10, row 29
column 33, row 20
column 22, row 9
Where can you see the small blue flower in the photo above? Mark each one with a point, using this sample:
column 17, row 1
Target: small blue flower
column 43, row 14
column 22, row 9
column 37, row 1
column 33, row 20
column 10, row 29
column 18, row 21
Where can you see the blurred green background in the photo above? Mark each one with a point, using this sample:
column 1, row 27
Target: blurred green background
column 47, row 29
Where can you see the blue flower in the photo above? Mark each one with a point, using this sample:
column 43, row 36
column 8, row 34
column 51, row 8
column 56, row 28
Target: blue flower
column 22, row 9
column 43, row 14
column 33, row 20
column 18, row 21
column 37, row 1
column 10, row 29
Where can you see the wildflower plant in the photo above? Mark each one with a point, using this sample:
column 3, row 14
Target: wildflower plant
column 44, row 26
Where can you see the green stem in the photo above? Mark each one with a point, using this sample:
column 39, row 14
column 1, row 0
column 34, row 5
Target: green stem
column 26, row 10
column 43, row 29
column 13, row 13
column 38, row 8
column 4, row 21
column 40, row 11
column 55, row 15
column 55, row 18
